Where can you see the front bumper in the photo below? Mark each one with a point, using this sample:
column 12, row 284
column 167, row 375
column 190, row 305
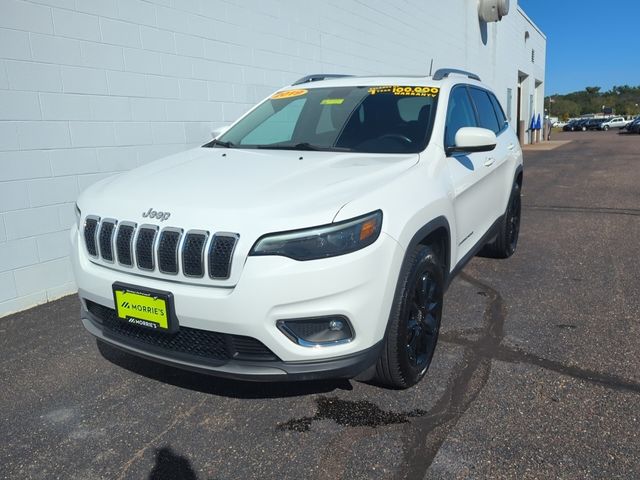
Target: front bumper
column 359, row 286
column 347, row 366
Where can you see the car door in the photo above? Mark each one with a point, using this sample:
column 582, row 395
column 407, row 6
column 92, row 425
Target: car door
column 471, row 192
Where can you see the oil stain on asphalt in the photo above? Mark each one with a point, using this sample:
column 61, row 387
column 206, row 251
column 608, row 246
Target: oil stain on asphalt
column 350, row 414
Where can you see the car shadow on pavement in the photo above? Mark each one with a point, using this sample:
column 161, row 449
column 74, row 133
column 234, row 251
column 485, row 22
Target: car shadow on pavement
column 217, row 385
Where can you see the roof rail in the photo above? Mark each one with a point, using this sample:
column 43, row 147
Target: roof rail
column 445, row 72
column 318, row 76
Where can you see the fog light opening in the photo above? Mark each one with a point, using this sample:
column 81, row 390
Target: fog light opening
column 318, row 331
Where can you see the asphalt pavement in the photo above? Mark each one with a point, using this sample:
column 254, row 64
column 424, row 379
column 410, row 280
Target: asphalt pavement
column 536, row 376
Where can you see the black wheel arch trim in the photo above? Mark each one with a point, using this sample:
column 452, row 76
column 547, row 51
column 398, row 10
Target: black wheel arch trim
column 426, row 230
column 519, row 170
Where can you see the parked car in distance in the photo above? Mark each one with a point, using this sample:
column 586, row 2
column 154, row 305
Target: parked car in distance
column 634, row 127
column 594, row 123
column 631, row 125
column 615, row 122
column 581, row 125
column 570, row 127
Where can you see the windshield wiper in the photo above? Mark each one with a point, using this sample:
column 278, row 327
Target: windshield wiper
column 304, row 146
column 215, row 142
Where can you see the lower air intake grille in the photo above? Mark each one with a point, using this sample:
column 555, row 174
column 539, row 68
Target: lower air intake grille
column 211, row 347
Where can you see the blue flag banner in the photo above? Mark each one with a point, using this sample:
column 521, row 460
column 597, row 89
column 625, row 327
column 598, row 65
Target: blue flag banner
column 539, row 123
column 533, row 122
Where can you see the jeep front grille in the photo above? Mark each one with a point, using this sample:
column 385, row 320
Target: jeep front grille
column 195, row 254
column 124, row 241
column 220, row 253
column 90, row 231
column 145, row 247
column 168, row 250
column 105, row 239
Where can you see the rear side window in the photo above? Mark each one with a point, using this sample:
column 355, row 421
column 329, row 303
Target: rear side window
column 486, row 112
column 459, row 114
column 502, row 118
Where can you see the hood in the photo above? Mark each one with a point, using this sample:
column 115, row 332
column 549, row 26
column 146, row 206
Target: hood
column 226, row 189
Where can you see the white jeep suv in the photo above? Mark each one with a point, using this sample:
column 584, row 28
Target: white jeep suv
column 315, row 238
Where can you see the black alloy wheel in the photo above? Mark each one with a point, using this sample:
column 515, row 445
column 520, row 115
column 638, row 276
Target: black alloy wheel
column 506, row 241
column 414, row 323
column 423, row 322
column 514, row 213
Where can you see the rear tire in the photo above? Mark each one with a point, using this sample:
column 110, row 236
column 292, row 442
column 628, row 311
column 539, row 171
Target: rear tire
column 414, row 324
column 506, row 240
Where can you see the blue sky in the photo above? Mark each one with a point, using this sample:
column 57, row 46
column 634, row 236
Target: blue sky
column 589, row 42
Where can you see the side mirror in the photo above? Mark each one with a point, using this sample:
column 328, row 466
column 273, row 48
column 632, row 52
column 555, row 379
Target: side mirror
column 216, row 132
column 473, row 139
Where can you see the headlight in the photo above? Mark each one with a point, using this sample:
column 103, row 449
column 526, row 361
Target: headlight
column 322, row 242
column 78, row 216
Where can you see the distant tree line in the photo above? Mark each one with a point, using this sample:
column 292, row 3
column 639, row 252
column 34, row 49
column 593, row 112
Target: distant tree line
column 624, row 100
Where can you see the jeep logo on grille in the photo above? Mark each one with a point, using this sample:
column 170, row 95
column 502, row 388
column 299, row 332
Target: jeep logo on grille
column 162, row 216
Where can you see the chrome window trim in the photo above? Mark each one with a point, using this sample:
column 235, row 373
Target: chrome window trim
column 202, row 254
column 153, row 245
column 179, row 231
column 131, row 243
column 95, row 235
column 236, row 236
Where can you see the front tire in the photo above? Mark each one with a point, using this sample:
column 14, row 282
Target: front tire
column 506, row 240
column 606, row 128
column 414, row 323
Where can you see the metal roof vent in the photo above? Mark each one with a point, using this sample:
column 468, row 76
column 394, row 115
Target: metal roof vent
column 492, row 10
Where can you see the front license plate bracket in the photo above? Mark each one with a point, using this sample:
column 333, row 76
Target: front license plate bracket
column 144, row 307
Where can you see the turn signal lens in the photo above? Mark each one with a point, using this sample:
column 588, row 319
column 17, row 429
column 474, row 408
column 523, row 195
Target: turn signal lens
column 368, row 228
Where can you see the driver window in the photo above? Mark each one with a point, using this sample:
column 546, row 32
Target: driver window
column 460, row 114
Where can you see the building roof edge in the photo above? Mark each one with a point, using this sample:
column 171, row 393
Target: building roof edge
column 528, row 19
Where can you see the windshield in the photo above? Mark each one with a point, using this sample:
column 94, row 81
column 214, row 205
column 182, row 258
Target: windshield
column 384, row 119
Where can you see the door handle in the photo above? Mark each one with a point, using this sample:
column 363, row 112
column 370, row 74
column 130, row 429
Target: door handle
column 489, row 161
column 511, row 146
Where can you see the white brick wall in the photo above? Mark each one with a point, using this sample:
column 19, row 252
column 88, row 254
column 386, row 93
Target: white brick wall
column 89, row 88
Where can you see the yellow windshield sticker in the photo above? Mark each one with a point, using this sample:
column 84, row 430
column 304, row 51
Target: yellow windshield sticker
column 409, row 91
column 289, row 94
column 332, row 101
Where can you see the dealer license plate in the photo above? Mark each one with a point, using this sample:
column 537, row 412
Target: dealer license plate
column 148, row 308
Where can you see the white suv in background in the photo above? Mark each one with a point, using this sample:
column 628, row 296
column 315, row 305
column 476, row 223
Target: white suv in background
column 315, row 238
column 616, row 122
